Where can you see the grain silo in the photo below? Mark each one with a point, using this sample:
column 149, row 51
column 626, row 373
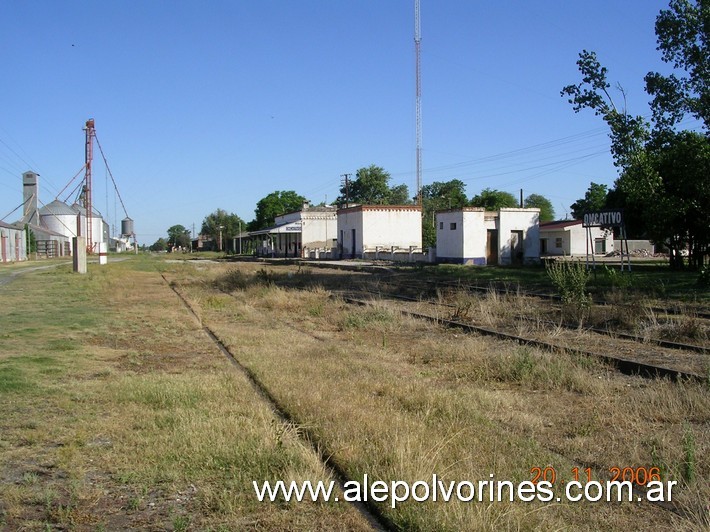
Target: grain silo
column 59, row 217
column 97, row 223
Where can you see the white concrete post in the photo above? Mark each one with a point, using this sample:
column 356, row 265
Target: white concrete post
column 103, row 256
column 79, row 254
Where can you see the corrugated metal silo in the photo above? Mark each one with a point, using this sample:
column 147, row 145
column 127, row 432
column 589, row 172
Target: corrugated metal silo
column 57, row 216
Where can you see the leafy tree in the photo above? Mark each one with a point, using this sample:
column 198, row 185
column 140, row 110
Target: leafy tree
column 179, row 236
column 494, row 200
column 538, row 201
column 680, row 213
column 273, row 205
column 634, row 214
column 594, row 200
column 31, row 240
column 444, row 195
column 439, row 196
column 371, row 187
column 682, row 33
column 159, row 245
column 662, row 172
column 627, row 133
column 229, row 222
column 399, row 195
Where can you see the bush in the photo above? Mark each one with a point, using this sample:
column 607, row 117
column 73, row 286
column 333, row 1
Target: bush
column 570, row 279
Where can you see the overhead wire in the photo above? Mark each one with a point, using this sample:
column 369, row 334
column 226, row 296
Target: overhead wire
column 70, row 181
column 115, row 186
column 20, row 205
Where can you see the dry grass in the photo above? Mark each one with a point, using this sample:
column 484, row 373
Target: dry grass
column 399, row 399
column 118, row 413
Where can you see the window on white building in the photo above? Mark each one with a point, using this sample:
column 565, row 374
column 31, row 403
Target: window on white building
column 452, row 226
column 558, row 242
column 441, row 225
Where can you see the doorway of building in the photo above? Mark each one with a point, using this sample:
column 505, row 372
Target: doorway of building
column 516, row 247
column 353, row 246
column 492, row 246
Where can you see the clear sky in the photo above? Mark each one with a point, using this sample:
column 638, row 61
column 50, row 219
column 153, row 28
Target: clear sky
column 215, row 104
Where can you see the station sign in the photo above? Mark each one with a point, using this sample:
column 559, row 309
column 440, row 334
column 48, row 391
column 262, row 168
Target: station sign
column 605, row 218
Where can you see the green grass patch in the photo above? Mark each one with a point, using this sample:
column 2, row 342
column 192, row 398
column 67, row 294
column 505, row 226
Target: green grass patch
column 13, row 379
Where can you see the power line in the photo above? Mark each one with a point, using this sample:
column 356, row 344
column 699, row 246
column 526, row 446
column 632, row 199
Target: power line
column 111, row 174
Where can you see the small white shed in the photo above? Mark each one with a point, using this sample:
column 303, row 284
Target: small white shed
column 471, row 235
column 365, row 228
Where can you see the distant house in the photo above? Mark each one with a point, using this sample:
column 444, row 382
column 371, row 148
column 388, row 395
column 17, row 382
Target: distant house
column 13, row 243
column 472, row 235
column 369, row 228
column 569, row 238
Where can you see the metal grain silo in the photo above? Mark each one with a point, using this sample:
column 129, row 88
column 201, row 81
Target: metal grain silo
column 59, row 217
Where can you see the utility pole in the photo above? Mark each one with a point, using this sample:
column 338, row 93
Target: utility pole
column 346, row 181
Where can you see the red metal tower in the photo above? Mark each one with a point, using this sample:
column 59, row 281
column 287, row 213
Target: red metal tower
column 89, row 155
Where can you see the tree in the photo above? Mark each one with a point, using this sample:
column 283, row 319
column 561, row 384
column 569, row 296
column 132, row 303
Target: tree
column 230, row 224
column 273, row 205
column 681, row 210
column 662, row 172
column 494, row 200
column 439, row 196
column 538, row 201
column 179, row 236
column 399, row 195
column 371, row 187
column 682, row 35
column 594, row 200
column 159, row 245
column 627, row 133
column 31, row 240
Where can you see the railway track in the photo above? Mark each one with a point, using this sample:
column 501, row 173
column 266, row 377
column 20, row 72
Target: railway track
column 606, row 332
column 503, row 287
column 371, row 513
column 626, row 365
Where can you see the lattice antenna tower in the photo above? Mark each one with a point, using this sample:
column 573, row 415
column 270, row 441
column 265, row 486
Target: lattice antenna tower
column 418, row 104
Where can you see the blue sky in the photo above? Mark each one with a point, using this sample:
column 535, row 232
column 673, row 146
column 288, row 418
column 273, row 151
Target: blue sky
column 215, row 104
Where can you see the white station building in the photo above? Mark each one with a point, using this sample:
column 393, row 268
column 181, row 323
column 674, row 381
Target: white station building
column 309, row 232
column 472, row 235
column 370, row 228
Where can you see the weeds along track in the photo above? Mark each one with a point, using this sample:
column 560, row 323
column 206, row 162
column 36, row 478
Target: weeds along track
column 370, row 512
column 502, row 287
column 450, row 303
column 621, row 354
column 557, row 324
